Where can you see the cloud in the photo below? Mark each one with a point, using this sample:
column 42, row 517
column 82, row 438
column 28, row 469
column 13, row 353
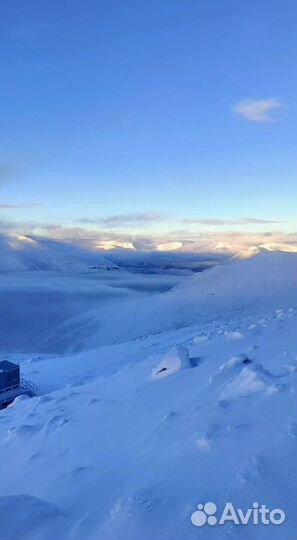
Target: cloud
column 125, row 220
column 215, row 241
column 145, row 218
column 7, row 206
column 169, row 246
column 258, row 110
column 108, row 245
column 237, row 221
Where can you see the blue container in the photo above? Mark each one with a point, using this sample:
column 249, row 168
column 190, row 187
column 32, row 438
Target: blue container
column 9, row 375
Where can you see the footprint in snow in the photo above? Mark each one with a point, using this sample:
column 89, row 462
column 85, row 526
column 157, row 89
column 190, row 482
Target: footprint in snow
column 169, row 416
column 215, row 432
column 234, row 335
column 203, row 443
column 253, row 348
column 292, row 429
column 200, row 339
column 139, row 502
column 254, row 470
column 93, row 401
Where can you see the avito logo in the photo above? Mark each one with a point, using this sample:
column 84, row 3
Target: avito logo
column 207, row 514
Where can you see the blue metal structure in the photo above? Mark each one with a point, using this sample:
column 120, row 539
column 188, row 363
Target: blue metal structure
column 12, row 384
column 9, row 375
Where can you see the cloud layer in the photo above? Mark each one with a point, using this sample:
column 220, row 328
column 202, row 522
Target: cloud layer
column 258, row 110
column 8, row 206
column 186, row 240
column 125, row 220
column 222, row 222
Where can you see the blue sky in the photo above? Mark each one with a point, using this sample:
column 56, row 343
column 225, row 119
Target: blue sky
column 135, row 119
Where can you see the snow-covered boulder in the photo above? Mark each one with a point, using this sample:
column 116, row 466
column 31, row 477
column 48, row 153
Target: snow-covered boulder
column 174, row 360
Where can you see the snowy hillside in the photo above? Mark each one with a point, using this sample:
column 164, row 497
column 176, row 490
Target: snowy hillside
column 126, row 439
column 20, row 253
column 229, row 290
column 37, row 305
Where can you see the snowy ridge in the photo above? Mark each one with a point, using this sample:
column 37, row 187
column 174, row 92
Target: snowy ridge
column 26, row 253
column 268, row 247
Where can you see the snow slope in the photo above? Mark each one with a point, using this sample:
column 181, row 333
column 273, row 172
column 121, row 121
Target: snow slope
column 126, row 439
column 263, row 282
column 33, row 305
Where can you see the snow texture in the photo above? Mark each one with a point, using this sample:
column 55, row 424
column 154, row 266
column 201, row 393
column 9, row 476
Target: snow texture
column 114, row 448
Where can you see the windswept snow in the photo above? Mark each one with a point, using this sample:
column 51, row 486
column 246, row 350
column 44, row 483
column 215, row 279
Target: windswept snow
column 114, row 450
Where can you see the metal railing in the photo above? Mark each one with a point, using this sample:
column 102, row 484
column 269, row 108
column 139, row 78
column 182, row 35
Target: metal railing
column 29, row 387
column 11, row 392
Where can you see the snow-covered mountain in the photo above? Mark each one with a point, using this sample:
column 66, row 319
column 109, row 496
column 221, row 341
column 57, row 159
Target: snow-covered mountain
column 28, row 253
column 127, row 438
column 262, row 248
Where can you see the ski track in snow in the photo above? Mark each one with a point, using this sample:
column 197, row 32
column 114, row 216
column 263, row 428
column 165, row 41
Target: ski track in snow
column 126, row 439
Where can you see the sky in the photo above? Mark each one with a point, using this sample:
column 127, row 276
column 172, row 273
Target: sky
column 149, row 124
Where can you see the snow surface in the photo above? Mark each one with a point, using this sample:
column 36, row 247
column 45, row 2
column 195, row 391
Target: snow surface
column 111, row 451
